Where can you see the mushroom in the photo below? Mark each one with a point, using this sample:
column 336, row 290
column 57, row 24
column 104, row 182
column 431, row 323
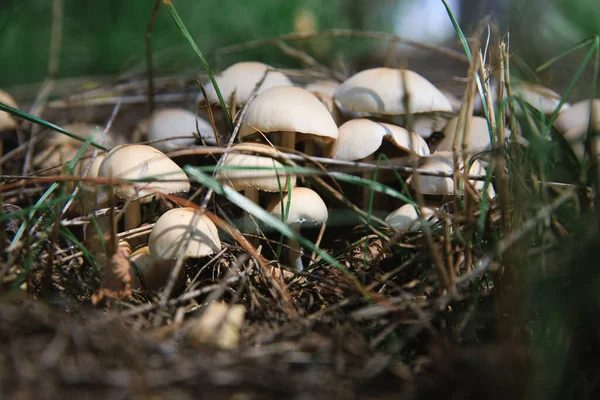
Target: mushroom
column 240, row 171
column 7, row 121
column 59, row 148
column 573, row 124
column 324, row 91
column 478, row 136
column 385, row 93
column 135, row 161
column 444, row 186
column 288, row 109
column 179, row 124
column 359, row 139
column 147, row 272
column 577, row 115
column 219, row 325
column 406, row 218
column 241, row 78
column 306, row 208
column 544, row 99
column 183, row 232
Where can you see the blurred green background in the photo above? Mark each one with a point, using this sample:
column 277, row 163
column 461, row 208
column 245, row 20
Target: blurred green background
column 107, row 37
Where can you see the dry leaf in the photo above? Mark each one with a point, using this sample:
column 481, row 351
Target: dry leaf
column 116, row 278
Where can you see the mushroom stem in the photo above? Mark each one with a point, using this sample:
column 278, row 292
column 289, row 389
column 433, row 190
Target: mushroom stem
column 252, row 195
column 294, row 251
column 288, row 140
column 133, row 219
column 309, row 148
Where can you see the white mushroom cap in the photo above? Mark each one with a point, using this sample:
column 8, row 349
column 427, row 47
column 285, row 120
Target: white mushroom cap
column 84, row 130
column 241, row 78
column 425, row 125
column 183, row 232
column 544, row 99
column 382, row 91
column 577, row 115
column 176, row 122
column 7, row 121
column 324, row 90
column 306, row 207
column 219, row 325
column 288, row 109
column 154, row 273
column 576, row 137
column 479, row 136
column 406, row 217
column 442, row 186
column 359, row 138
column 136, row 161
column 247, row 178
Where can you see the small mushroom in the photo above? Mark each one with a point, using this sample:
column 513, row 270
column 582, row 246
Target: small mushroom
column 289, row 110
column 219, row 325
column 241, row 78
column 324, row 91
column 241, row 171
column 478, row 136
column 135, row 161
column 444, row 186
column 306, row 209
column 147, row 272
column 183, row 232
column 359, row 139
column 578, row 115
column 406, row 218
column 175, row 128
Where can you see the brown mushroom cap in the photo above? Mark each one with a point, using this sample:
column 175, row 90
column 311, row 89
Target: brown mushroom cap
column 306, row 206
column 183, row 232
column 382, row 91
column 359, row 138
column 7, row 121
column 288, row 109
column 248, row 178
column 176, row 122
column 136, row 161
column 241, row 78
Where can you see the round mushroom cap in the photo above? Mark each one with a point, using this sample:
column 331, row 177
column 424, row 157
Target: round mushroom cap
column 577, row 115
column 183, row 232
column 359, row 138
column 479, row 135
column 405, row 217
column 382, row 91
column 306, row 207
column 425, row 125
column 576, row 137
column 7, row 121
column 324, row 88
column 246, row 176
column 288, row 109
column 544, row 99
column 177, row 122
column 84, row 130
column 137, row 161
column 241, row 78
column 442, row 186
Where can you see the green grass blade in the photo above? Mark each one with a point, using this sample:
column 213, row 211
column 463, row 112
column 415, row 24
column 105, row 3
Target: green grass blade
column 459, row 32
column 577, row 46
column 188, row 36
